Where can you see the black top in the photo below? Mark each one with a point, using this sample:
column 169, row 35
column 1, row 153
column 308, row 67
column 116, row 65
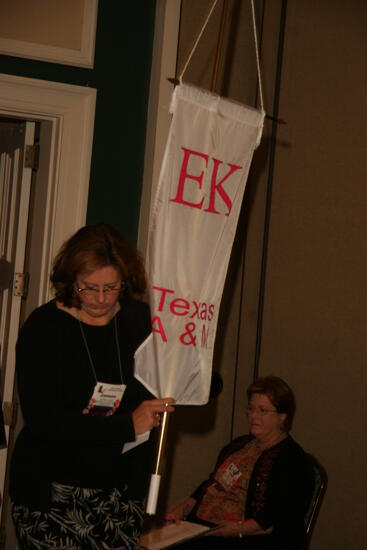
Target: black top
column 55, row 380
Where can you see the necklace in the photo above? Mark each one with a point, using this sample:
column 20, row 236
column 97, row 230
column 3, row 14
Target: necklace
column 88, row 350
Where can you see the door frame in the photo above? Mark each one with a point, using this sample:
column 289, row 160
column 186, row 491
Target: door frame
column 70, row 110
column 16, row 223
column 66, row 116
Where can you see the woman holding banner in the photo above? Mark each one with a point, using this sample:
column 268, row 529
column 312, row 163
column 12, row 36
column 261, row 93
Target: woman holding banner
column 262, row 484
column 80, row 467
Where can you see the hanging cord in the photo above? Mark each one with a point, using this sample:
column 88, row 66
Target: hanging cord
column 269, row 189
column 220, row 39
column 197, row 40
column 257, row 56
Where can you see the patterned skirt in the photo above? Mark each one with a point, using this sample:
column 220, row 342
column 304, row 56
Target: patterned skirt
column 81, row 519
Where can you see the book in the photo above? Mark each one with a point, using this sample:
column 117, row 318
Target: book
column 139, row 439
column 171, row 534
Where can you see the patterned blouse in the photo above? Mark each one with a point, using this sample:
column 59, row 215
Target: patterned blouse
column 225, row 497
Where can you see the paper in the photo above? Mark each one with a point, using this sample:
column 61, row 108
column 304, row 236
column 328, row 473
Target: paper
column 141, row 438
column 170, row 534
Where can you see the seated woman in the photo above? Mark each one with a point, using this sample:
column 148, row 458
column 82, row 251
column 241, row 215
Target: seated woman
column 262, row 484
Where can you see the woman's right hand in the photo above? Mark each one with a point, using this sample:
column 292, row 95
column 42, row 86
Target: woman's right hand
column 148, row 414
column 180, row 511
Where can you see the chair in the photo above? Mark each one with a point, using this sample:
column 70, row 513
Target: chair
column 317, row 497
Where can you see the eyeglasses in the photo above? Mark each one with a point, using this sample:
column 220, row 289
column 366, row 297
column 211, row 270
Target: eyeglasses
column 107, row 290
column 260, row 410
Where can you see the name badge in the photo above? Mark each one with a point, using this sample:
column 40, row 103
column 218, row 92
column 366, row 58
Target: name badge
column 106, row 399
column 229, row 476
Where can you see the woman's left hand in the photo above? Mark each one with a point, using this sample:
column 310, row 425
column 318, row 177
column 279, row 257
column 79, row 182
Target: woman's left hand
column 228, row 529
column 239, row 529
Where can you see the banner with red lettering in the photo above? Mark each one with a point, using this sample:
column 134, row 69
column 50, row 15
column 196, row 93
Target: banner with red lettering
column 197, row 204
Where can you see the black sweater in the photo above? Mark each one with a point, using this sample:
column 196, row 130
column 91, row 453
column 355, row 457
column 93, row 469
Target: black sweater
column 55, row 381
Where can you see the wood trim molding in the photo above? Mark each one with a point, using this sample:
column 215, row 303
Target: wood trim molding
column 71, row 110
column 67, row 56
column 167, row 26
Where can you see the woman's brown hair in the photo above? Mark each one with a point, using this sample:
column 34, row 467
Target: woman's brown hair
column 93, row 247
column 279, row 394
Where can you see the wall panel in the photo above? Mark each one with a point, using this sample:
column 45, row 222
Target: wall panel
column 315, row 304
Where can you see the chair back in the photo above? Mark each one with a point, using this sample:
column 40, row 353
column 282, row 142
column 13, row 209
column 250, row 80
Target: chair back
column 320, row 477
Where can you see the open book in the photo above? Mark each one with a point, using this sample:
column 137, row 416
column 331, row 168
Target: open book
column 170, row 534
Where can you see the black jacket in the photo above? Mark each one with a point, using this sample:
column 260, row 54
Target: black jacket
column 56, row 381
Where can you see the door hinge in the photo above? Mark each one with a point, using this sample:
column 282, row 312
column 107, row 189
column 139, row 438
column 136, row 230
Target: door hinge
column 32, row 153
column 21, row 281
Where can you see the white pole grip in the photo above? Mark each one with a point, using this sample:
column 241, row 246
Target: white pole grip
column 153, row 494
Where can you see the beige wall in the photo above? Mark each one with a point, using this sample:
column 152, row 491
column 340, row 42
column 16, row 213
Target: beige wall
column 315, row 307
column 314, row 330
column 56, row 24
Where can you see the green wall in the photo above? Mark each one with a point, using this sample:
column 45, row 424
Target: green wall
column 121, row 76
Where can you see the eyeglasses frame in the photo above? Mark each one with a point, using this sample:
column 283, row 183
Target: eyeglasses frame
column 106, row 291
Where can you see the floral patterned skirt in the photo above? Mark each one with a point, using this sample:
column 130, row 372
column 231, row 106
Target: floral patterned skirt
column 81, row 519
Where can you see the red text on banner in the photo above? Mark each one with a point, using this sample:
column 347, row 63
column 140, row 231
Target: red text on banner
column 215, row 186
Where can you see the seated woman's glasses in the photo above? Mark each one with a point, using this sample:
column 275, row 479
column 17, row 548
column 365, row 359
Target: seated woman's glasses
column 260, row 410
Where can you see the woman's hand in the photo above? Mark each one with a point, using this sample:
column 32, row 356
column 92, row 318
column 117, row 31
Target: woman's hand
column 181, row 510
column 239, row 529
column 148, row 414
column 228, row 529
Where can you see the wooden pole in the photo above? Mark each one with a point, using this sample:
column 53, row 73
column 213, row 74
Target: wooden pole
column 219, row 46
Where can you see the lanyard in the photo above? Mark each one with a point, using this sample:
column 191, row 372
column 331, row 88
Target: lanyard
column 88, row 350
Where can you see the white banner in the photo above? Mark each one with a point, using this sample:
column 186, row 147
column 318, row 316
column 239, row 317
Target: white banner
column 196, row 209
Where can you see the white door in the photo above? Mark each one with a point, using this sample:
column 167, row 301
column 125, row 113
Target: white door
column 15, row 187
